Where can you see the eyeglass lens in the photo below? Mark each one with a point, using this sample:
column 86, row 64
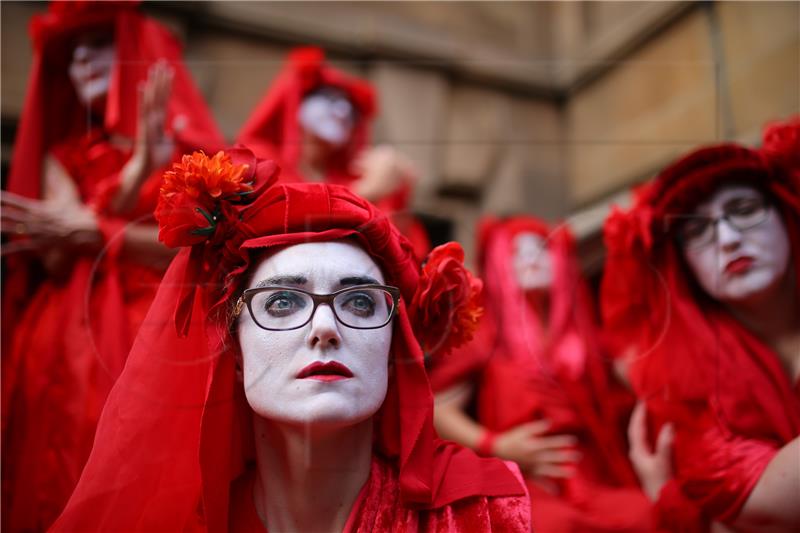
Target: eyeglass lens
column 741, row 213
column 356, row 307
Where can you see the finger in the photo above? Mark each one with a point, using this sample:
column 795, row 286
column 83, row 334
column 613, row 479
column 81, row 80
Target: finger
column 664, row 440
column 558, row 457
column 16, row 200
column 535, row 428
column 637, row 432
column 553, row 442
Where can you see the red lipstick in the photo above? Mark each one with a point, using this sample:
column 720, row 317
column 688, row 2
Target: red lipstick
column 739, row 265
column 330, row 371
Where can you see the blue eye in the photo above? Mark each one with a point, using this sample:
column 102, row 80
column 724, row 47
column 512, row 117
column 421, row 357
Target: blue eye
column 357, row 303
column 284, row 303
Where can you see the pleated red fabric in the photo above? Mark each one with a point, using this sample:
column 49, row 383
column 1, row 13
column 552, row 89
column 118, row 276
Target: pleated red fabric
column 523, row 375
column 732, row 404
column 176, row 432
column 66, row 338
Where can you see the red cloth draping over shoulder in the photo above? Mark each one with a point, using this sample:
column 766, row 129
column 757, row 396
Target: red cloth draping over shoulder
column 183, row 449
column 523, row 375
column 723, row 388
column 66, row 339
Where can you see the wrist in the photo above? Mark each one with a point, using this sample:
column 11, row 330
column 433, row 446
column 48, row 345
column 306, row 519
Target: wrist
column 485, row 445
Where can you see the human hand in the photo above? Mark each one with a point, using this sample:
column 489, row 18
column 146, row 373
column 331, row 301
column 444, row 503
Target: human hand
column 653, row 468
column 382, row 169
column 49, row 223
column 537, row 454
column 153, row 147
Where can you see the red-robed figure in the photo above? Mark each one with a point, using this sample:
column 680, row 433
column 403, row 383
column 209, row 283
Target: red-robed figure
column 278, row 381
column 315, row 120
column 701, row 286
column 108, row 103
column 535, row 386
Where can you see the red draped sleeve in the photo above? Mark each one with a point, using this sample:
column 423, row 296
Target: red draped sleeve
column 718, row 469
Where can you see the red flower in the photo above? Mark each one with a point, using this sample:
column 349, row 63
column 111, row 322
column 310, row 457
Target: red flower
column 446, row 307
column 192, row 193
column 782, row 142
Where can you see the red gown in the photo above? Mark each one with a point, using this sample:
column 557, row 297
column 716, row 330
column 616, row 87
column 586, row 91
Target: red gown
column 70, row 345
column 66, row 338
column 520, row 378
column 725, row 391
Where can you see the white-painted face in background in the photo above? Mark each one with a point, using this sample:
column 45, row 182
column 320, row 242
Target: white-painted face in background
column 329, row 115
column 532, row 262
column 91, row 66
column 274, row 361
column 738, row 264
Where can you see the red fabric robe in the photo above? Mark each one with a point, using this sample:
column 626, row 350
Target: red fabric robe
column 521, row 377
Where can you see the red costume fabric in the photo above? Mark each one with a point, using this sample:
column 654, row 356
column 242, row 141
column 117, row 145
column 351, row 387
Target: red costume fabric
column 274, row 132
column 68, row 338
column 176, row 432
column 523, row 373
column 732, row 404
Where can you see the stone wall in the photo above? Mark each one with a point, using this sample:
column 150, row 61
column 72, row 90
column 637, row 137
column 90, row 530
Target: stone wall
column 546, row 108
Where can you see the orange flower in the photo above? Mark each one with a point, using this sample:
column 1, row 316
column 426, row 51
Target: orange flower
column 197, row 174
column 190, row 205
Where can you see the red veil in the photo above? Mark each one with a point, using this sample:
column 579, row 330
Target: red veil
column 697, row 366
column 176, row 428
column 524, row 374
column 273, row 130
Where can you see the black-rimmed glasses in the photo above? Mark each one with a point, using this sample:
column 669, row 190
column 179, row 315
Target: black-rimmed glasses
column 698, row 231
column 278, row 308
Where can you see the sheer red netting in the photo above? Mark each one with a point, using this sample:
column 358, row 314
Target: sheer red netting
column 697, row 366
column 176, row 432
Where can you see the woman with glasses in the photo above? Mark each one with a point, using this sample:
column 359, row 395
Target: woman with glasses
column 278, row 382
column 543, row 392
column 701, row 286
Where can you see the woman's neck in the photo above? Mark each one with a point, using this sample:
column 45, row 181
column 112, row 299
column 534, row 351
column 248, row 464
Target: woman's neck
column 775, row 317
column 307, row 479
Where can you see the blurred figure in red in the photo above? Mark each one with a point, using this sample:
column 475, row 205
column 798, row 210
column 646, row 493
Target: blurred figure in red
column 701, row 285
column 543, row 393
column 109, row 103
column 315, row 122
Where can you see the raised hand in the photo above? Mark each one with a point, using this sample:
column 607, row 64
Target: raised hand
column 653, row 468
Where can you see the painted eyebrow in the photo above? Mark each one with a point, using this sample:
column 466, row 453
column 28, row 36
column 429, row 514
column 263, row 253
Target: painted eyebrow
column 282, row 280
column 358, row 280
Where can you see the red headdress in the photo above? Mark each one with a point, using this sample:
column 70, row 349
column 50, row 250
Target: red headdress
column 691, row 354
column 273, row 130
column 52, row 110
column 175, row 431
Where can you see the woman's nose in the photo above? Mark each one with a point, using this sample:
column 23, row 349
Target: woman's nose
column 728, row 237
column 324, row 331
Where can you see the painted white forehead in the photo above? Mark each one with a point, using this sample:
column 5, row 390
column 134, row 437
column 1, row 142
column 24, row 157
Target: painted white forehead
column 329, row 260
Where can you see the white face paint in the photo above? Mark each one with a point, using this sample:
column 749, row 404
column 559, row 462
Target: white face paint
column 532, row 262
column 273, row 360
column 90, row 70
column 739, row 264
column 329, row 116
